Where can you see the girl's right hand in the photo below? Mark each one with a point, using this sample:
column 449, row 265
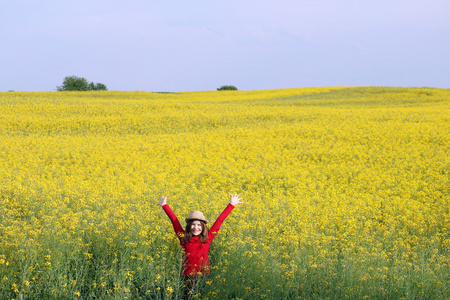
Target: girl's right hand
column 163, row 200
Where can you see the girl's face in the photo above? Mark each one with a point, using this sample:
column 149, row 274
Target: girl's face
column 196, row 228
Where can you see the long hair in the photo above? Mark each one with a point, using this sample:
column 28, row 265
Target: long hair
column 188, row 234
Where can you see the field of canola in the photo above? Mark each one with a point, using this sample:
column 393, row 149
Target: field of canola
column 346, row 192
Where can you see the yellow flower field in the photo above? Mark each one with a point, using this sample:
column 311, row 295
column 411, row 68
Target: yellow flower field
column 346, row 192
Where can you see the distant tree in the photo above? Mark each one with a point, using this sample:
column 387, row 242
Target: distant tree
column 91, row 86
column 227, row 88
column 97, row 87
column 75, row 83
column 100, row 87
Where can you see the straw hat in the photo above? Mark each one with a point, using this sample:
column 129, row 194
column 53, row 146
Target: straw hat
column 196, row 215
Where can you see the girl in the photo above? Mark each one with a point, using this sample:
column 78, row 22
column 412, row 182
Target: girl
column 196, row 239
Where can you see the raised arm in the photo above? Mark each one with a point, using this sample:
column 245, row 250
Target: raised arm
column 179, row 231
column 234, row 200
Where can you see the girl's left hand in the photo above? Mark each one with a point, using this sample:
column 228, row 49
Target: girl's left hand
column 235, row 199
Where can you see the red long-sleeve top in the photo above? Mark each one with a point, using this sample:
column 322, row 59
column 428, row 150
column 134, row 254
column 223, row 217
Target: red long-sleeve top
column 195, row 258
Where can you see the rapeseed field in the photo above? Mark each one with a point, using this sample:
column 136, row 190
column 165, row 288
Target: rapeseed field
column 346, row 192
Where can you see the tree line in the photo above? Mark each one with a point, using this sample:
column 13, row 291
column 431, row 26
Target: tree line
column 75, row 83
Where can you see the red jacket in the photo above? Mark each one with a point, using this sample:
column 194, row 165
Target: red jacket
column 195, row 260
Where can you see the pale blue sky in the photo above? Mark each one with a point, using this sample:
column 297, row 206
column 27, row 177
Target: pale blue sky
column 200, row 45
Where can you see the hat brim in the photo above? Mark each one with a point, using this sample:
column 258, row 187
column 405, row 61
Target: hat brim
column 195, row 219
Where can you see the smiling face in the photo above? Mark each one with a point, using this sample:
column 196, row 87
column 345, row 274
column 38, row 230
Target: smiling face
column 196, row 227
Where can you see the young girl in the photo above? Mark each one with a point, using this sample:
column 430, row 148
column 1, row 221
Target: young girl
column 196, row 239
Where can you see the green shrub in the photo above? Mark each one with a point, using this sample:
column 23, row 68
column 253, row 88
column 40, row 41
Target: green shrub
column 227, row 88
